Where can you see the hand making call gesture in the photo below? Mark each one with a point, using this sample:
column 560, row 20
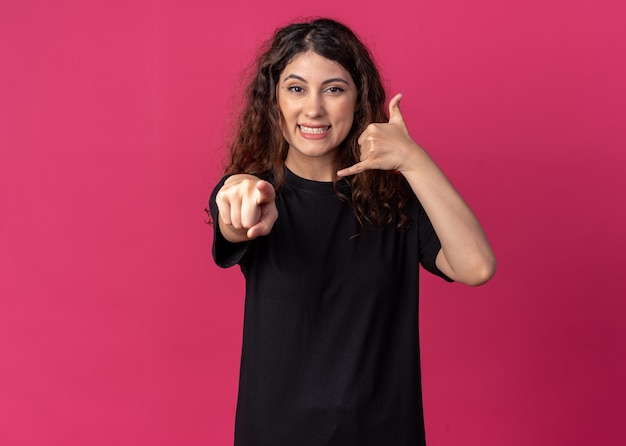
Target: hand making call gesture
column 386, row 145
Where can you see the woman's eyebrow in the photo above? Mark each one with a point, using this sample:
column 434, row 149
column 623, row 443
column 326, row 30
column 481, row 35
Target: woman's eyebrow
column 327, row 81
column 295, row 76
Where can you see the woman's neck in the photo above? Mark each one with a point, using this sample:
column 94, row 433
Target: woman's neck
column 316, row 169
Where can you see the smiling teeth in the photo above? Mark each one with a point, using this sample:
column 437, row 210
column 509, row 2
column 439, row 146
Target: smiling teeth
column 313, row 130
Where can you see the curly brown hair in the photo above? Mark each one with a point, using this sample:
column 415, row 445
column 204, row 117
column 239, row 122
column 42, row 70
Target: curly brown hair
column 258, row 147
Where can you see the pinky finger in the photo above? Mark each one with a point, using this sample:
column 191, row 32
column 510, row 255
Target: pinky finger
column 352, row 170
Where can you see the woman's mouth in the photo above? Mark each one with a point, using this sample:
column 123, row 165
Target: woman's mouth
column 313, row 130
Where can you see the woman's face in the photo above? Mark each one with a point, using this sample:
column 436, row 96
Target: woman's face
column 317, row 98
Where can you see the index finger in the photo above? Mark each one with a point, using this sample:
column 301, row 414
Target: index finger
column 266, row 192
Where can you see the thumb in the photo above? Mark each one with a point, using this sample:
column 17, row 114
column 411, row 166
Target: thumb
column 394, row 109
column 266, row 192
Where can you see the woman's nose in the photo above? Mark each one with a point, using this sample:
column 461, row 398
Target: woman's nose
column 313, row 106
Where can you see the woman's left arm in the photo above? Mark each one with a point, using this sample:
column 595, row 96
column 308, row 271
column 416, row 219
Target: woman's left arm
column 465, row 254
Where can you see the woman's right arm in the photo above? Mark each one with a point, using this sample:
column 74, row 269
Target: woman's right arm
column 246, row 208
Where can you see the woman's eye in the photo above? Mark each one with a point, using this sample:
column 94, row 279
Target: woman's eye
column 295, row 89
column 334, row 90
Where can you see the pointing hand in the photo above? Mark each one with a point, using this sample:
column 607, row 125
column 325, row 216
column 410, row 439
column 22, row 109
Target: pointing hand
column 246, row 207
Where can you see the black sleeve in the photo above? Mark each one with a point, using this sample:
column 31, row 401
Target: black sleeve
column 429, row 244
column 225, row 253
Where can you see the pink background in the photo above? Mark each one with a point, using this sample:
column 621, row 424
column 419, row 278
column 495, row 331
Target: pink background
column 117, row 329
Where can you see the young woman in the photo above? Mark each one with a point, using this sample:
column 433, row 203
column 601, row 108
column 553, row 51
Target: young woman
column 329, row 207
